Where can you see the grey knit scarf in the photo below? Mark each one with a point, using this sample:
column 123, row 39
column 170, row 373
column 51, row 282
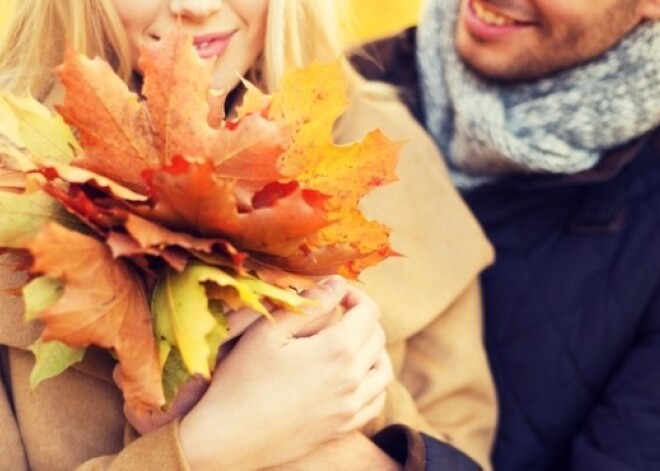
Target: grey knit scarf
column 560, row 124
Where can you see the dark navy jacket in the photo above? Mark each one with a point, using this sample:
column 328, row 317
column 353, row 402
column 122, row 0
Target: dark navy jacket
column 572, row 305
column 573, row 318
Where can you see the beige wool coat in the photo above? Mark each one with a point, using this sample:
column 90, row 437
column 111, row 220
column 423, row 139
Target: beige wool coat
column 431, row 313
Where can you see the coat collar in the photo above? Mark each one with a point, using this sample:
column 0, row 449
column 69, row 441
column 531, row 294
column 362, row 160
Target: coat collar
column 14, row 331
column 444, row 248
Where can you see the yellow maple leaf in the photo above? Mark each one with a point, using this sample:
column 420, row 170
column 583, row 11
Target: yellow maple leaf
column 310, row 101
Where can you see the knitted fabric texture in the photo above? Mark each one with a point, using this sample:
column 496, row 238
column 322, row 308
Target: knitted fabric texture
column 559, row 124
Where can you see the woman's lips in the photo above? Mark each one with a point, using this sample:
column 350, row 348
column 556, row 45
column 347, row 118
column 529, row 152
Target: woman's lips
column 212, row 45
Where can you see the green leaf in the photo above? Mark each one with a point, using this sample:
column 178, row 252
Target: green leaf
column 186, row 319
column 21, row 216
column 52, row 359
column 175, row 375
column 30, row 125
column 40, row 294
column 219, row 333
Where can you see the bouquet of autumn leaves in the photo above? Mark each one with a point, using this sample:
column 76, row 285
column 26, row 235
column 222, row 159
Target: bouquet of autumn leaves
column 143, row 223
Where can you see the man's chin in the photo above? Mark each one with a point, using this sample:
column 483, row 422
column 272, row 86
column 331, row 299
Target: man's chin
column 507, row 71
column 488, row 70
column 485, row 63
column 504, row 76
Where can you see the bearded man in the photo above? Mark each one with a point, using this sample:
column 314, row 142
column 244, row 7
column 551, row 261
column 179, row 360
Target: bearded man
column 548, row 115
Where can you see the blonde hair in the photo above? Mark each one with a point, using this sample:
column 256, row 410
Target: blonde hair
column 36, row 40
column 298, row 33
column 301, row 32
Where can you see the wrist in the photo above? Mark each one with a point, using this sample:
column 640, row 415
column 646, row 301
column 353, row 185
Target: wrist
column 209, row 448
column 192, row 450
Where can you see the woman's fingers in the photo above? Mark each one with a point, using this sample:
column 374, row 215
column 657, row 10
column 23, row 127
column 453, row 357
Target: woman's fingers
column 377, row 378
column 354, row 297
column 371, row 393
column 365, row 415
column 371, row 351
column 358, row 322
column 314, row 317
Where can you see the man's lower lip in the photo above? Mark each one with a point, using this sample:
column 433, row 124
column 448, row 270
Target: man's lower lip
column 482, row 30
column 214, row 48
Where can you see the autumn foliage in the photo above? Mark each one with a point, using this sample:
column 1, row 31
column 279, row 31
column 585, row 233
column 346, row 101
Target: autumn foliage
column 146, row 220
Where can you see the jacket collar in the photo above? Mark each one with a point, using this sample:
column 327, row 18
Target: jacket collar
column 393, row 60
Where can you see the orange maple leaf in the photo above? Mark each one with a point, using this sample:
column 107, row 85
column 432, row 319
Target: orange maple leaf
column 144, row 237
column 113, row 124
column 287, row 144
column 103, row 304
column 309, row 102
column 160, row 181
column 123, row 135
column 176, row 87
column 190, row 197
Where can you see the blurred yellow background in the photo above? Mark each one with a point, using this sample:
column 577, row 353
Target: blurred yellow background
column 377, row 18
column 370, row 18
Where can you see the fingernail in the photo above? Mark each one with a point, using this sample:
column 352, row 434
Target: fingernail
column 332, row 284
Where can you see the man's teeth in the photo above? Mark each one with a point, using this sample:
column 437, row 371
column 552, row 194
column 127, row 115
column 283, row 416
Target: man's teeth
column 489, row 16
column 203, row 45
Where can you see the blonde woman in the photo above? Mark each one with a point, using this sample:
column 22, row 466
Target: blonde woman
column 281, row 398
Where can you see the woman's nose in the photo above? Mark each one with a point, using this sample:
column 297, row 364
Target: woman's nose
column 195, row 9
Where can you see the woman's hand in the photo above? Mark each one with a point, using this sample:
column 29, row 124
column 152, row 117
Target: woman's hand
column 277, row 396
column 148, row 420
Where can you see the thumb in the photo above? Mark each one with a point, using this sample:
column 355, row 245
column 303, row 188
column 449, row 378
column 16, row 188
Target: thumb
column 326, row 300
column 239, row 321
